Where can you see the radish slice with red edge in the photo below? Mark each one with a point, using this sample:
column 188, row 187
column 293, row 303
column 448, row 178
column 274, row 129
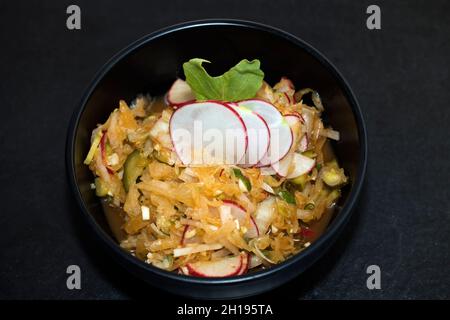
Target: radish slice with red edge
column 292, row 119
column 281, row 137
column 303, row 144
column 254, row 261
column 179, row 93
column 253, row 231
column 260, row 165
column 282, row 167
column 245, row 263
column 187, row 236
column 284, row 85
column 308, row 119
column 301, row 165
column 225, row 267
column 186, row 228
column 208, row 133
column 258, row 135
column 238, row 212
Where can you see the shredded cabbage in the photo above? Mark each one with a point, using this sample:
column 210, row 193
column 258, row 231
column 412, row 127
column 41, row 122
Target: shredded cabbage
column 183, row 223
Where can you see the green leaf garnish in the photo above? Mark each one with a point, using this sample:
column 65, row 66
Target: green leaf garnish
column 287, row 196
column 240, row 82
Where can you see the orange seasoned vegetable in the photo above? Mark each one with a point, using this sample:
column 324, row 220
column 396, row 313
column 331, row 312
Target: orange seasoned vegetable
column 176, row 216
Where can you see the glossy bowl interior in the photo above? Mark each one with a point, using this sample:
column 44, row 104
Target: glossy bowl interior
column 151, row 64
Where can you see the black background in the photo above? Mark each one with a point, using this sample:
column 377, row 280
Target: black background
column 400, row 75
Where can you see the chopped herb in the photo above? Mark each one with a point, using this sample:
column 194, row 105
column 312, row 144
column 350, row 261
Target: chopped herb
column 244, row 182
column 133, row 168
column 168, row 261
column 240, row 82
column 309, row 206
column 287, row 196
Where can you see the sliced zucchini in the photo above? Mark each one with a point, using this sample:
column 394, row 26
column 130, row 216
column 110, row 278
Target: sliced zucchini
column 301, row 180
column 334, row 195
column 101, row 190
column 133, row 168
column 333, row 176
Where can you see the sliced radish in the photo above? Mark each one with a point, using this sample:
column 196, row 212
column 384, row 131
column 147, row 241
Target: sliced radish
column 237, row 210
column 264, row 214
column 281, row 137
column 239, row 213
column 301, row 165
column 208, row 133
column 258, row 135
column 253, row 231
column 282, row 167
column 295, row 123
column 166, row 102
column 288, row 98
column 284, row 85
column 226, row 267
column 292, row 119
column 186, row 227
column 254, row 261
column 180, row 93
column 303, row 144
column 260, row 165
column 245, row 263
column 188, row 235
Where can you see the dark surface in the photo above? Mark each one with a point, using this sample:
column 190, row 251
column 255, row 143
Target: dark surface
column 151, row 66
column 399, row 74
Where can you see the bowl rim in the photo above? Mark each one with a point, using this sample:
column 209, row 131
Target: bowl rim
column 335, row 226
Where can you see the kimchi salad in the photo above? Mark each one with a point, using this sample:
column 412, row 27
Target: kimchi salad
column 245, row 205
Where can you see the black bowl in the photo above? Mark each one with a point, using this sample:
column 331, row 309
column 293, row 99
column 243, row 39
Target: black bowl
column 151, row 64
